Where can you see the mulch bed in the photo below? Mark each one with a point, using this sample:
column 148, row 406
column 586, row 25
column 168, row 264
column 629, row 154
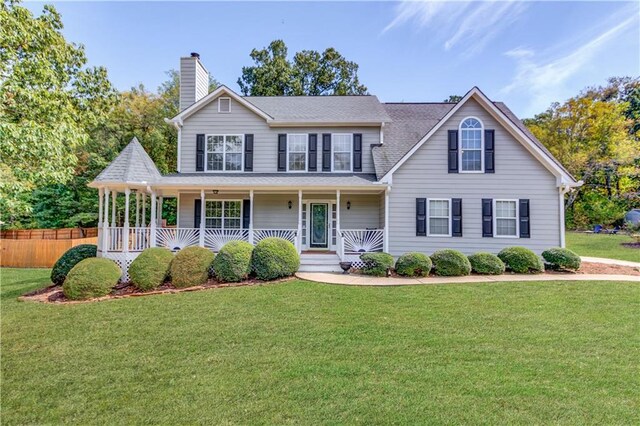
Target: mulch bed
column 601, row 268
column 632, row 245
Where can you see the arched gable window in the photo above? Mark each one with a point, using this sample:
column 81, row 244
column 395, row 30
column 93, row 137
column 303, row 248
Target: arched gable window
column 471, row 145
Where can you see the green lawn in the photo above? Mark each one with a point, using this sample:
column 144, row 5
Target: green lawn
column 305, row 353
column 598, row 245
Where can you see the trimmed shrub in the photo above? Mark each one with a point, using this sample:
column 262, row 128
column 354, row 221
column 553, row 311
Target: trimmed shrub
column 233, row 262
column 190, row 267
column 450, row 263
column 69, row 259
column 376, row 264
column 486, row 263
column 413, row 264
column 521, row 260
column 93, row 277
column 274, row 258
column 560, row 258
column 151, row 268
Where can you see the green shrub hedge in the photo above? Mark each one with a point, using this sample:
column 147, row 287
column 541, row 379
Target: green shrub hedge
column 413, row 264
column 376, row 264
column 486, row 263
column 190, row 267
column 69, row 259
column 561, row 258
column 274, row 258
column 93, row 277
column 151, row 268
column 233, row 262
column 450, row 263
column 521, row 260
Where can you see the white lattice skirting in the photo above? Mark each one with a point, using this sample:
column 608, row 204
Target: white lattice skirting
column 123, row 260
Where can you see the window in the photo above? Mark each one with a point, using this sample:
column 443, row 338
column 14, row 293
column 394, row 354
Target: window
column 224, row 104
column 439, row 213
column 223, row 214
column 472, row 142
column 297, row 152
column 224, row 152
column 341, row 144
column 506, row 218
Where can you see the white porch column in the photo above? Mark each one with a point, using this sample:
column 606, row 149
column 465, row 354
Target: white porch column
column 137, row 209
column 386, row 221
column 299, row 239
column 202, row 218
column 143, row 222
column 100, row 232
column 251, row 216
column 125, row 230
column 153, row 221
column 338, row 235
column 105, row 222
column 114, row 197
column 160, row 201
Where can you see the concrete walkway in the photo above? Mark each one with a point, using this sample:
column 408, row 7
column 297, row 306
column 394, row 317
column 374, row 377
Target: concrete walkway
column 610, row 261
column 363, row 280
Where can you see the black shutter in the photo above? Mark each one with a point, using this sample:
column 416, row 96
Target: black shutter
column 200, row 153
column 487, row 217
column 421, row 217
column 326, row 152
column 456, row 217
column 453, row 151
column 197, row 206
column 248, row 153
column 282, row 152
column 246, row 213
column 489, row 151
column 313, row 152
column 357, row 152
column 525, row 224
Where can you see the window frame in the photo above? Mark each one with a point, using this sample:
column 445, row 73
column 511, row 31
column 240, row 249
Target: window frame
column 222, row 227
column 495, row 218
column 306, row 152
column 429, row 233
column 224, row 153
column 461, row 150
column 225, row 98
column 333, row 146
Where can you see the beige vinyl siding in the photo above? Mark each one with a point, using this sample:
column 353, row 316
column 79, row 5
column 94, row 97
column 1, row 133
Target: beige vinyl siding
column 265, row 143
column 518, row 175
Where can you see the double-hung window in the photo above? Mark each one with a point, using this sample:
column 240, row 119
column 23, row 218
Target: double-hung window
column 223, row 214
column 297, row 152
column 506, row 218
column 439, row 214
column 472, row 142
column 342, row 145
column 224, row 152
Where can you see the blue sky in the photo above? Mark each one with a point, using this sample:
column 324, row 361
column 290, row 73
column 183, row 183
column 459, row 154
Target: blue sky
column 527, row 54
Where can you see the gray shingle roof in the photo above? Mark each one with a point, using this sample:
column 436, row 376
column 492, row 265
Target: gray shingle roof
column 132, row 165
column 336, row 109
column 269, row 179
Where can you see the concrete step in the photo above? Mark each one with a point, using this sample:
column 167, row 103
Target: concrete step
column 319, row 268
column 319, row 262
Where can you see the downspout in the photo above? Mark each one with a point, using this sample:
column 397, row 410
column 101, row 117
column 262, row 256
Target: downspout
column 562, row 190
column 178, row 126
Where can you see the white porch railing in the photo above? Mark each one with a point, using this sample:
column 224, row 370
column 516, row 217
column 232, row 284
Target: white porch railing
column 139, row 238
column 214, row 239
column 285, row 234
column 114, row 241
column 177, row 238
column 358, row 241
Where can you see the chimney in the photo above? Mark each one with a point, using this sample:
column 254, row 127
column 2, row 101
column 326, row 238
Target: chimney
column 194, row 80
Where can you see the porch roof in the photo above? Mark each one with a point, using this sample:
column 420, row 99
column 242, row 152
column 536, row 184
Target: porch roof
column 284, row 180
column 132, row 166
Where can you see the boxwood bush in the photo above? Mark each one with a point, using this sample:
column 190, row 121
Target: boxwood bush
column 69, row 259
column 560, row 258
column 190, row 267
column 274, row 258
column 233, row 262
column 450, row 263
column 413, row 264
column 376, row 264
column 486, row 263
column 151, row 268
column 93, row 277
column 521, row 260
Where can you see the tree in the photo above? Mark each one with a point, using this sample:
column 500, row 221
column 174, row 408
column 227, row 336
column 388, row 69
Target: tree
column 49, row 100
column 310, row 74
column 453, row 99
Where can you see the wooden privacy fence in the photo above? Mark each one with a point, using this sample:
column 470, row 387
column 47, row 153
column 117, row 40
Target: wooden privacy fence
column 36, row 253
column 49, row 234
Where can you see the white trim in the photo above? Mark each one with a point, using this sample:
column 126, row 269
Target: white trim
column 307, row 202
column 179, row 148
column 223, row 201
column 224, row 153
column 225, row 98
column 495, row 218
column 178, row 210
column 460, row 150
column 350, row 152
column 563, row 190
column 386, row 221
column 450, row 217
column 306, row 152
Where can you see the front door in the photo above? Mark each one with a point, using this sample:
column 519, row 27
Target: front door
column 319, row 226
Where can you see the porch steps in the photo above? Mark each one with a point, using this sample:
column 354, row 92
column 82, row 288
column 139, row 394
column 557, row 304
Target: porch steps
column 319, row 262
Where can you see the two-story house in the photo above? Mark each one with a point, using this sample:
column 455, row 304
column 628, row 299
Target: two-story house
column 337, row 176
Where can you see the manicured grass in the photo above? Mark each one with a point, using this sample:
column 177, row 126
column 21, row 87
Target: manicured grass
column 304, row 353
column 600, row 245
